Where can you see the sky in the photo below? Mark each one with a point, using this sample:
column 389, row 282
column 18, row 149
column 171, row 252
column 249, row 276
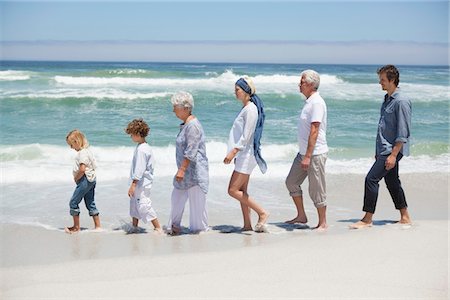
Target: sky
column 403, row 32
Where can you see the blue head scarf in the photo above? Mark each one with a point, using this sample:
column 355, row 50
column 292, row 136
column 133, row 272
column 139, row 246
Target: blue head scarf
column 259, row 124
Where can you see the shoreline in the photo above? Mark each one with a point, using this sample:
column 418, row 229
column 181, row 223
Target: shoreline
column 385, row 261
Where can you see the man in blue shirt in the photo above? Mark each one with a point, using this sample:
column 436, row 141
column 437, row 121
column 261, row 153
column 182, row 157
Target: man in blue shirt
column 392, row 144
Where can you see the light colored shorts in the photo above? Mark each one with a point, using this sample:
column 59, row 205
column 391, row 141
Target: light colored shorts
column 245, row 163
column 141, row 205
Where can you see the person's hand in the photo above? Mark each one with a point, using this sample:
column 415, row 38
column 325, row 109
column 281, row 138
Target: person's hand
column 304, row 164
column 180, row 174
column 131, row 190
column 390, row 162
column 229, row 158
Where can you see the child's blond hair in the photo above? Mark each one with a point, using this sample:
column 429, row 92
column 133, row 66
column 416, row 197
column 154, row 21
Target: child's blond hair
column 76, row 137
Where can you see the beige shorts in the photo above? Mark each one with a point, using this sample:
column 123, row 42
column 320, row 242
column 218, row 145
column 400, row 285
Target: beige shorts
column 316, row 178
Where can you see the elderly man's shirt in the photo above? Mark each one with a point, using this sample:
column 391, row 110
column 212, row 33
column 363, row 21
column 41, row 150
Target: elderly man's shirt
column 394, row 125
column 191, row 145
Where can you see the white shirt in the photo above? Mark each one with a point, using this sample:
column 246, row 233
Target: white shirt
column 314, row 110
column 142, row 166
column 243, row 130
column 85, row 157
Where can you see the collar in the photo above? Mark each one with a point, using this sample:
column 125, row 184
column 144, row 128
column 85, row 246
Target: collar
column 314, row 95
column 393, row 96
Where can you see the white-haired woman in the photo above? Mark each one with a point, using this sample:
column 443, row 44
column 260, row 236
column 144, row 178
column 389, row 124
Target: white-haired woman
column 192, row 179
column 244, row 150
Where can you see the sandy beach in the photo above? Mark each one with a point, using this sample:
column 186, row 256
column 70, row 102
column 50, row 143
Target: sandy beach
column 387, row 261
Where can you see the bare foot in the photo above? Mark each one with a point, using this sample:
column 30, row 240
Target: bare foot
column 297, row 220
column 175, row 230
column 158, row 231
column 247, row 229
column 71, row 230
column 360, row 224
column 263, row 218
column 404, row 222
column 321, row 228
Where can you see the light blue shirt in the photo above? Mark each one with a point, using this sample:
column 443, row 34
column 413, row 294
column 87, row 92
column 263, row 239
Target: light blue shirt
column 191, row 145
column 394, row 125
column 142, row 166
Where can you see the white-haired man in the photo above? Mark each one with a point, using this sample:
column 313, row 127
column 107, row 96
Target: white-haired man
column 312, row 154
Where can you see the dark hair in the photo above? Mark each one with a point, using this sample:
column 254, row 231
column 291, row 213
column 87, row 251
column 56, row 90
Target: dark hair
column 391, row 73
column 138, row 126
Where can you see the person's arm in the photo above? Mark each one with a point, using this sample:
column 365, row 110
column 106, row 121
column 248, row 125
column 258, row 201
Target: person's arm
column 80, row 173
column 132, row 188
column 391, row 160
column 313, row 134
column 403, row 132
column 230, row 156
column 250, row 120
column 184, row 165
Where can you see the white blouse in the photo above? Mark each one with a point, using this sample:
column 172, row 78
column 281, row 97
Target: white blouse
column 243, row 130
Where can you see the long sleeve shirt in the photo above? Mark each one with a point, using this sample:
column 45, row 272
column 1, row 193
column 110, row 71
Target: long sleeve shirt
column 394, row 125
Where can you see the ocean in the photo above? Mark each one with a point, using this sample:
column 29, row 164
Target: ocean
column 40, row 102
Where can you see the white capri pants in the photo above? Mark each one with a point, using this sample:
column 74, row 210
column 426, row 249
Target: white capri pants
column 141, row 205
column 198, row 217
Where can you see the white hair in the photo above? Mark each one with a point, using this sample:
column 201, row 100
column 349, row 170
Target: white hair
column 311, row 76
column 184, row 99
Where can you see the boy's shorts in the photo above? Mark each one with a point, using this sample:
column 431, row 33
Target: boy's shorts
column 141, row 205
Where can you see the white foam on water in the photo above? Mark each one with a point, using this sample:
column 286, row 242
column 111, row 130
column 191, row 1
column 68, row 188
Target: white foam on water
column 10, row 75
column 36, row 163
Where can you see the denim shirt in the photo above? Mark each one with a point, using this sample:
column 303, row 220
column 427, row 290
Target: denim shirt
column 394, row 125
column 190, row 144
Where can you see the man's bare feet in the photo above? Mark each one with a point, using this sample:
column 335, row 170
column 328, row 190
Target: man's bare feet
column 71, row 230
column 405, row 221
column 360, row 225
column 296, row 220
column 321, row 227
column 247, row 229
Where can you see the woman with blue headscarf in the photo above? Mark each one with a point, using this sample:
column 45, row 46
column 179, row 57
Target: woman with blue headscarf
column 244, row 149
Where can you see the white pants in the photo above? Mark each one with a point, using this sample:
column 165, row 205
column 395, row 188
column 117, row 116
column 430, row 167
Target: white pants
column 198, row 217
column 141, row 205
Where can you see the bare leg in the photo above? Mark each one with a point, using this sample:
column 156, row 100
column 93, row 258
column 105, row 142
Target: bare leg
column 404, row 217
column 238, row 190
column 135, row 222
column 322, row 212
column 247, row 220
column 366, row 221
column 301, row 215
column 75, row 227
column 246, row 212
column 96, row 221
column 156, row 225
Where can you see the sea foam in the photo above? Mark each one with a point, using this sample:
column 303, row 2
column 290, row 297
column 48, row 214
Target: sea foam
column 36, row 163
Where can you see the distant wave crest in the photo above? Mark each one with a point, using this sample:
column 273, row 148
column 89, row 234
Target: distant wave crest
column 10, row 75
